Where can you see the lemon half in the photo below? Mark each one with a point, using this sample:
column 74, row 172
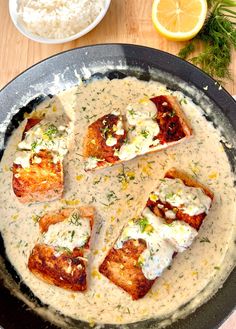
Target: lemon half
column 179, row 20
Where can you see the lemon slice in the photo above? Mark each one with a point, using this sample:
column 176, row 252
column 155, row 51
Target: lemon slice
column 179, row 20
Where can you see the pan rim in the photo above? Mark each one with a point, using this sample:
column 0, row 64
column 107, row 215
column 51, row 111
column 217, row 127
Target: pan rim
column 135, row 46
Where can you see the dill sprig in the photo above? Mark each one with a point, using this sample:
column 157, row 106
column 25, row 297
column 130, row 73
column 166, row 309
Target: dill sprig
column 219, row 39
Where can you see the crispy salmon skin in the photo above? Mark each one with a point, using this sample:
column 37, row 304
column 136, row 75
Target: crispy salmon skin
column 121, row 265
column 59, row 266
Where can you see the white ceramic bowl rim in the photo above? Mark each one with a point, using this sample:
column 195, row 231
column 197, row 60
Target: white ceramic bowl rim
column 34, row 37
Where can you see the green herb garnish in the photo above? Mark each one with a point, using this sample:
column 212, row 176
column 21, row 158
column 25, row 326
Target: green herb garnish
column 171, row 114
column 63, row 249
column 51, row 131
column 143, row 222
column 169, row 195
column 205, row 240
column 33, row 146
column 75, row 219
column 111, row 196
column 88, row 118
column 145, row 133
column 219, row 39
column 104, row 131
column 131, row 112
column 72, row 235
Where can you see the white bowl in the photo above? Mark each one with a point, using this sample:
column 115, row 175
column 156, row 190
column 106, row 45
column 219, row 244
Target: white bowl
column 37, row 38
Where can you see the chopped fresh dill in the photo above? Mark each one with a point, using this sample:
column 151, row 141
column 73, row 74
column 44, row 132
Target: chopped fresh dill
column 129, row 197
column 131, row 112
column 36, row 218
column 171, row 114
column 144, row 133
column 104, row 131
column 169, row 195
column 63, row 249
column 51, row 131
column 205, row 239
column 75, row 219
column 88, row 118
column 122, row 175
column 97, row 181
column 72, row 235
column 143, row 222
column 33, row 146
column 111, row 196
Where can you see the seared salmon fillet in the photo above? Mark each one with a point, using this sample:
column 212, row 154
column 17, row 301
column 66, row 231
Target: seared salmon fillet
column 148, row 126
column 67, row 270
column 158, row 206
column 42, row 178
column 40, row 182
column 95, row 141
column 59, row 265
column 121, row 267
column 127, row 264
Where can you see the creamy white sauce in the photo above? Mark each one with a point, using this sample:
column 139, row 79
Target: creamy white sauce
column 70, row 233
column 111, row 141
column 91, row 163
column 193, row 201
column 43, row 136
column 23, row 158
column 162, row 241
column 142, row 128
column 119, row 129
column 118, row 194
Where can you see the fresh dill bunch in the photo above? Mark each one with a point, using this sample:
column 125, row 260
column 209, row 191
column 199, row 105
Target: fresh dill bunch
column 219, row 39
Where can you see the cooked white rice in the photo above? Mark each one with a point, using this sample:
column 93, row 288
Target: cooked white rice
column 58, row 19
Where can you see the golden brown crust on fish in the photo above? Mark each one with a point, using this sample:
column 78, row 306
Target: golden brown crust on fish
column 174, row 128
column 122, row 268
column 62, row 268
column 174, row 105
column 194, row 221
column 95, row 140
column 121, row 265
column 40, row 181
column 67, row 270
column 188, row 180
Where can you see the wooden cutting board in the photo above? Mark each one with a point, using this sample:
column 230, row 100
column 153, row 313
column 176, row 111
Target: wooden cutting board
column 127, row 21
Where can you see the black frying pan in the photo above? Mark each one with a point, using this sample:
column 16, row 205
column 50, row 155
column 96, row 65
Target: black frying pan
column 113, row 61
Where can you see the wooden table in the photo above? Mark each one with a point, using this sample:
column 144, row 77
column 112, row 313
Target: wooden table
column 127, row 21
